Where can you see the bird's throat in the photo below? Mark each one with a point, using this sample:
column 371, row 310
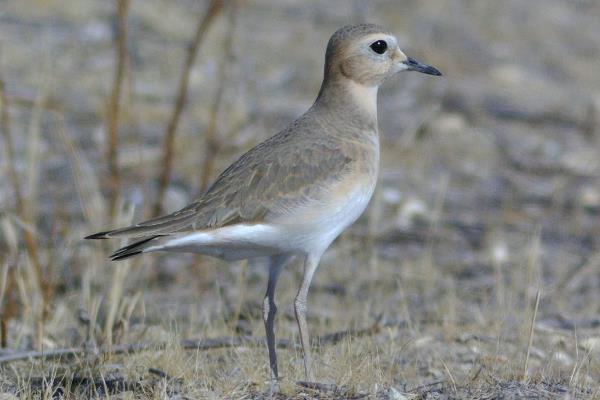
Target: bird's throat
column 349, row 100
column 365, row 97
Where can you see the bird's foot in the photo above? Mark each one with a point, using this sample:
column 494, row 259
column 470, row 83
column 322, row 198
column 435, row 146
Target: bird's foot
column 274, row 387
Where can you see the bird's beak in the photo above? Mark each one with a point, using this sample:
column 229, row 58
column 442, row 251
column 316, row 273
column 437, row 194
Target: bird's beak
column 414, row 65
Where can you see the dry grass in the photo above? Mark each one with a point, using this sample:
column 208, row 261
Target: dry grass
column 478, row 256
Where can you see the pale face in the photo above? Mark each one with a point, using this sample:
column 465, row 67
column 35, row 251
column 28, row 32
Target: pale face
column 371, row 59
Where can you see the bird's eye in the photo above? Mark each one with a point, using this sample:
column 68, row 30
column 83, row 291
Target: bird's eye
column 379, row 46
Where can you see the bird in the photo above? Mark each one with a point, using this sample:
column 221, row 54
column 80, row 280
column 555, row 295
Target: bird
column 293, row 194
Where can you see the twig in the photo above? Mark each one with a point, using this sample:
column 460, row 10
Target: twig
column 452, row 381
column 213, row 10
column 54, row 386
column 335, row 390
column 427, row 385
column 188, row 344
column 336, row 337
column 235, row 341
column 52, row 355
column 212, row 144
column 114, row 107
column 322, row 387
column 160, row 373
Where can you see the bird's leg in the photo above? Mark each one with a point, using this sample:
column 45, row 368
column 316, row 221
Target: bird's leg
column 310, row 266
column 276, row 264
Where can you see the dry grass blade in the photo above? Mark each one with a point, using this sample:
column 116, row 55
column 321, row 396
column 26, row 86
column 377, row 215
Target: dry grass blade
column 169, row 141
column 115, row 297
column 117, row 288
column 86, row 182
column 531, row 331
column 114, row 107
column 4, row 283
column 8, row 309
column 9, row 146
column 40, row 277
column 25, row 209
column 8, row 305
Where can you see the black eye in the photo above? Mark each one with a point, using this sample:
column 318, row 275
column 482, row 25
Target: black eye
column 379, row 46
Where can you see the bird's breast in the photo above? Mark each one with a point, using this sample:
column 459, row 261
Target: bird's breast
column 315, row 226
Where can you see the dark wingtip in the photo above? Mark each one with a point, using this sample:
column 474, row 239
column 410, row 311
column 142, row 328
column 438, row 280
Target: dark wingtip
column 130, row 250
column 123, row 257
column 131, row 247
column 99, row 235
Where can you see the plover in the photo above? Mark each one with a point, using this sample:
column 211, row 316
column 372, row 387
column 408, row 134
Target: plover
column 294, row 193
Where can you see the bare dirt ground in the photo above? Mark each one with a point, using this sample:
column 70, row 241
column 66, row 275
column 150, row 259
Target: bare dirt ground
column 473, row 275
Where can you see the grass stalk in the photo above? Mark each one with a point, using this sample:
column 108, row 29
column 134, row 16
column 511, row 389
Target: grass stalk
column 30, row 214
column 9, row 307
column 9, row 147
column 25, row 207
column 531, row 331
column 5, row 282
column 114, row 107
column 429, row 272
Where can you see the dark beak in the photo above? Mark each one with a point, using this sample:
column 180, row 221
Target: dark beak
column 414, row 65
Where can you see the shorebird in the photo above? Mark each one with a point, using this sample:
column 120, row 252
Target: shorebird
column 293, row 194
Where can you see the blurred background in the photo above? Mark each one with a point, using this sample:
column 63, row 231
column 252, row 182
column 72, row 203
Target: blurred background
column 478, row 256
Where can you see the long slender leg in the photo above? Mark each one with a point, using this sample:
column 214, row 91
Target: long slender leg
column 310, row 266
column 276, row 264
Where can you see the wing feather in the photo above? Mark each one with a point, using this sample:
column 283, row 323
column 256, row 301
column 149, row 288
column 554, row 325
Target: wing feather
column 273, row 178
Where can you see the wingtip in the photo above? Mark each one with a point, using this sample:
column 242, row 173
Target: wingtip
column 99, row 235
column 131, row 250
column 124, row 256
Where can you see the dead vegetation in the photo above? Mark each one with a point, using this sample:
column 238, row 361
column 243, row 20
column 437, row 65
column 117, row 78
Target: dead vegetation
column 474, row 274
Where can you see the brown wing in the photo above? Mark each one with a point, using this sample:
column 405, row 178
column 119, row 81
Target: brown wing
column 262, row 185
column 271, row 179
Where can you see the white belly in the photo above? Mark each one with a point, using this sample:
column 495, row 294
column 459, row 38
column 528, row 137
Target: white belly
column 310, row 229
column 319, row 227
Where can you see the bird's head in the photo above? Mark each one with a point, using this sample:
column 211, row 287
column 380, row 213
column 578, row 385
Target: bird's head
column 367, row 55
